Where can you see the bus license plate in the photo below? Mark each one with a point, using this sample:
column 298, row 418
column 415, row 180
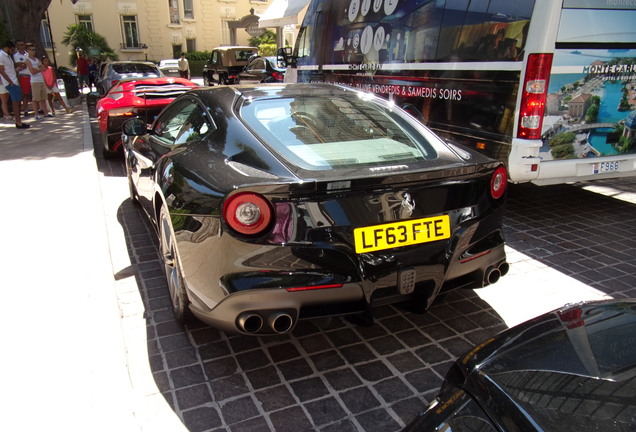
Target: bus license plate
column 404, row 233
column 603, row 167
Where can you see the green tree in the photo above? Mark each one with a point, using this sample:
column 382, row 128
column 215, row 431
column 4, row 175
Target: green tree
column 81, row 38
column 267, row 37
column 591, row 114
column 565, row 151
column 562, row 139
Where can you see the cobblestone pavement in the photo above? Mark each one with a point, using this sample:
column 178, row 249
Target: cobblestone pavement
column 565, row 243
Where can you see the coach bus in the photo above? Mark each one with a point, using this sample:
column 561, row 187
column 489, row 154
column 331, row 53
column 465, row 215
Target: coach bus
column 548, row 86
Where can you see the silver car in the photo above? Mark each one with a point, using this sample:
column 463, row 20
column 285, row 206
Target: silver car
column 112, row 72
column 169, row 67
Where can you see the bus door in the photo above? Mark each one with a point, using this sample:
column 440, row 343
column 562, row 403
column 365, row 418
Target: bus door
column 589, row 129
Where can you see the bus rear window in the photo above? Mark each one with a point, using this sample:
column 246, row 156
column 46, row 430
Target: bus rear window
column 597, row 26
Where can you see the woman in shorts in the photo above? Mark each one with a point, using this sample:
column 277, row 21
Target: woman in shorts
column 51, row 84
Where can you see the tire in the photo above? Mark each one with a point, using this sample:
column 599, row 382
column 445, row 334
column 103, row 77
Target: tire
column 172, row 269
column 208, row 80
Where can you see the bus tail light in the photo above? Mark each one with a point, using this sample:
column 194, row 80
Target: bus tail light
column 534, row 96
column 248, row 213
column 498, row 182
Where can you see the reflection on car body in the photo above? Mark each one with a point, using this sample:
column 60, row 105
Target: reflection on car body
column 572, row 369
column 266, row 200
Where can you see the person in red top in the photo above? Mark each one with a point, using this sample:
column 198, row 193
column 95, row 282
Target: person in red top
column 82, row 71
column 51, row 84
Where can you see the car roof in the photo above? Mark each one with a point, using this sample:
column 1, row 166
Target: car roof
column 234, row 47
column 131, row 61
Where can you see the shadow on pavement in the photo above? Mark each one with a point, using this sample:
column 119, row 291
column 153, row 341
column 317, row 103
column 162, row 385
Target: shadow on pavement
column 587, row 236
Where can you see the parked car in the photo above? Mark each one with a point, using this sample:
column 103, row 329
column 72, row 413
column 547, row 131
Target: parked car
column 572, row 369
column 262, row 70
column 275, row 203
column 112, row 72
column 169, row 67
column 226, row 63
column 143, row 98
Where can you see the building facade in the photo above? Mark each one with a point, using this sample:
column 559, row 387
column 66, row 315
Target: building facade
column 153, row 29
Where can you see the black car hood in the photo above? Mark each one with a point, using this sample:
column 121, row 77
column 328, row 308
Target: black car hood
column 570, row 369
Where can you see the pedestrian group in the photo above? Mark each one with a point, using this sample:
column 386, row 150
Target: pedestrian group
column 26, row 78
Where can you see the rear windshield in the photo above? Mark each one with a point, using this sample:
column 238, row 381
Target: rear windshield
column 243, row 55
column 126, row 68
column 321, row 133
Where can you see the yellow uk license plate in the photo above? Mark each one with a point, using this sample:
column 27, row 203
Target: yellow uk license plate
column 404, row 233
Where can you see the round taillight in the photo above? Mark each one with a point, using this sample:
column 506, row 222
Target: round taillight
column 247, row 213
column 498, row 182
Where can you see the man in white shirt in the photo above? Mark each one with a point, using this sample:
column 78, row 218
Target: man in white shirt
column 24, row 76
column 184, row 67
column 10, row 81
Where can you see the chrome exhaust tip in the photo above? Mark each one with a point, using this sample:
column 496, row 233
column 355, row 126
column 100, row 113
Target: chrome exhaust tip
column 280, row 322
column 250, row 322
column 492, row 276
column 504, row 268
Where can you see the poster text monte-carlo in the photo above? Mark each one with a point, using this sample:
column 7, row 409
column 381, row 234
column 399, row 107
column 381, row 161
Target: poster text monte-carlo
column 547, row 86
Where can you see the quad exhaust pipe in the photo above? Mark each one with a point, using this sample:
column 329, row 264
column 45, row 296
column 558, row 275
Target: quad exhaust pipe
column 277, row 321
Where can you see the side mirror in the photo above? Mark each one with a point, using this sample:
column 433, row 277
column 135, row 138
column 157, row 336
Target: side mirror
column 134, row 127
column 284, row 57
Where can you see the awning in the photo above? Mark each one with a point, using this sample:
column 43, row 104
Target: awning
column 281, row 13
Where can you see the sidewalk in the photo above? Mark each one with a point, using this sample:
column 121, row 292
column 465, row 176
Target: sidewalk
column 64, row 362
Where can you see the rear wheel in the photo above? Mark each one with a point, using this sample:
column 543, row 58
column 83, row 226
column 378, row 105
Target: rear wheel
column 172, row 269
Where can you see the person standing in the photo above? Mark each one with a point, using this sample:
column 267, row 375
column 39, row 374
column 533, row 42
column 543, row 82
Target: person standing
column 184, row 67
column 10, row 81
column 24, row 77
column 4, row 100
column 51, row 83
column 39, row 92
column 92, row 74
column 82, row 71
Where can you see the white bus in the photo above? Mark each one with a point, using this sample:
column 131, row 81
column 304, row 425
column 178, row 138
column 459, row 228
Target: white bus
column 548, row 86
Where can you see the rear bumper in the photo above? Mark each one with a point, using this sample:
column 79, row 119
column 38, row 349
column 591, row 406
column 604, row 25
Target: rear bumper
column 260, row 311
column 277, row 310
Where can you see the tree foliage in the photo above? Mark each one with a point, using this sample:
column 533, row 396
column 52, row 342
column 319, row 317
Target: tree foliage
column 565, row 151
column 23, row 20
column 81, row 38
column 267, row 37
column 561, row 139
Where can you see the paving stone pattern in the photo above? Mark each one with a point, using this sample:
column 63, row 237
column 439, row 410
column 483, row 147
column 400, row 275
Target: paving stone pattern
column 339, row 376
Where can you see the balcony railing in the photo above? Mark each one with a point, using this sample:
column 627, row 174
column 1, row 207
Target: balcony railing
column 138, row 47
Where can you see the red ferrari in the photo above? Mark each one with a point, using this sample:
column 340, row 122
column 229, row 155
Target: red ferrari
column 143, row 98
